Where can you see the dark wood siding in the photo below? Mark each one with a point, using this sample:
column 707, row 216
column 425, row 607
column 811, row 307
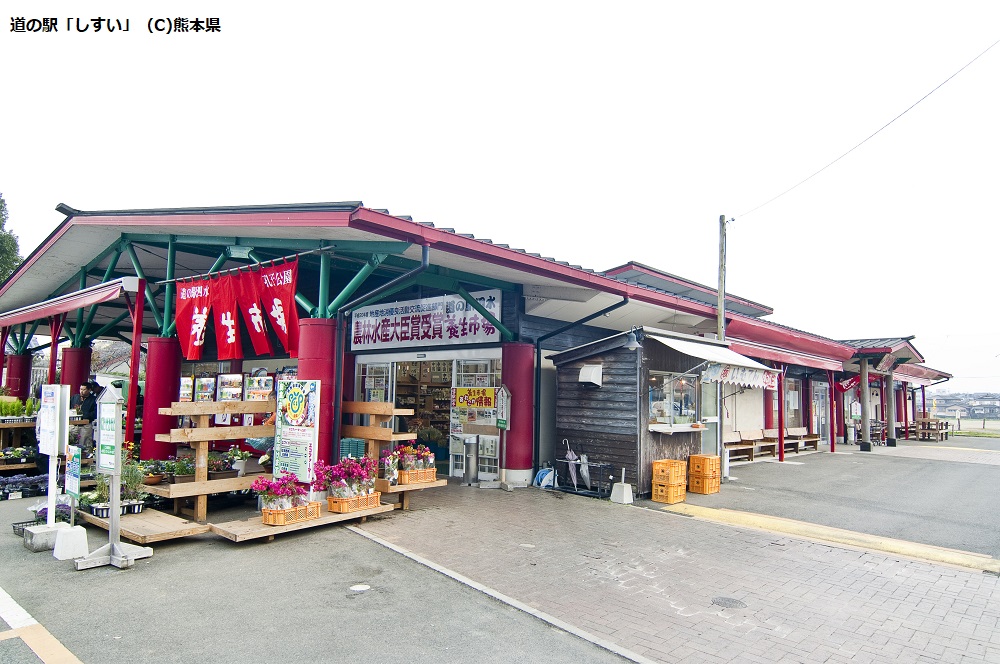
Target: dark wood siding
column 601, row 422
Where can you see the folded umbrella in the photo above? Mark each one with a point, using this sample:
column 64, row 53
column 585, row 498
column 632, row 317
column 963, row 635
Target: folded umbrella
column 571, row 459
column 585, row 470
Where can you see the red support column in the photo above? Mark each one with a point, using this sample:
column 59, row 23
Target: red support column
column 75, row 367
column 906, row 419
column 317, row 361
column 833, row 410
column 19, row 375
column 768, row 409
column 519, row 377
column 806, row 405
column 881, row 400
column 781, row 415
column 163, row 384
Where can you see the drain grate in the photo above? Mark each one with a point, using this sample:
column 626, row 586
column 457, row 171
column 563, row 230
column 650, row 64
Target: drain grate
column 729, row 603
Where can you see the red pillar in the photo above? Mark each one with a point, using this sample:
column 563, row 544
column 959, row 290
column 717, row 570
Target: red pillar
column 163, row 385
column 806, row 405
column 906, row 415
column 769, row 409
column 317, row 345
column 781, row 416
column 832, row 407
column 19, row 375
column 75, row 367
column 519, row 376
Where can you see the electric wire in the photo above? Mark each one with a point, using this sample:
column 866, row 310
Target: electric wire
column 792, row 188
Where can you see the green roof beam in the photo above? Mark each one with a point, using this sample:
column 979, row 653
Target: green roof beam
column 355, row 283
column 150, row 300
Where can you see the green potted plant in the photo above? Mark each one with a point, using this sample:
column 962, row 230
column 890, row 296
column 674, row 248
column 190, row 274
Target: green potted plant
column 238, row 458
column 183, row 469
column 152, row 470
column 100, row 505
column 132, row 477
column 220, row 468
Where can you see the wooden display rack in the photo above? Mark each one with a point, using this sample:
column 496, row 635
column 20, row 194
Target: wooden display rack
column 252, row 528
column 149, row 525
column 378, row 432
column 198, row 438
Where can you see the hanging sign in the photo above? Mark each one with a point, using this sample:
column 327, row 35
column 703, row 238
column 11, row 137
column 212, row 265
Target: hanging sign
column 276, row 285
column 227, row 324
column 248, row 301
column 435, row 321
column 296, row 431
column 473, row 397
column 73, row 466
column 503, row 408
column 192, row 305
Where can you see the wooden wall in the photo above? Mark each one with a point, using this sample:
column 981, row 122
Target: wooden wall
column 601, row 422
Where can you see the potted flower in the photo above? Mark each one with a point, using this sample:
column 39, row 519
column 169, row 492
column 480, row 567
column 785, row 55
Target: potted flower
column 132, row 483
column 152, row 470
column 100, row 497
column 238, row 458
column 281, row 493
column 183, row 469
column 220, row 468
column 389, row 466
column 169, row 466
column 356, row 487
column 326, row 478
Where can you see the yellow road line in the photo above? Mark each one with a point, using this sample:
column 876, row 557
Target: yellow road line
column 47, row 647
column 827, row 534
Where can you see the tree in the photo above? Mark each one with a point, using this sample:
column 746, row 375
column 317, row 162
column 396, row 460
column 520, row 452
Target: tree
column 10, row 256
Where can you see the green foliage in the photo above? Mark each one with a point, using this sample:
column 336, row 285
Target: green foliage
column 10, row 256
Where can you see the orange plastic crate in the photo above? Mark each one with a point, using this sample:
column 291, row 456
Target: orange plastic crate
column 668, row 493
column 290, row 515
column 417, row 476
column 670, row 471
column 700, row 484
column 705, row 465
column 354, row 503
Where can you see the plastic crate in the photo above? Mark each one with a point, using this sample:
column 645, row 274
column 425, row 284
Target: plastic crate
column 670, row 471
column 705, row 465
column 21, row 525
column 700, row 484
column 668, row 493
column 291, row 515
column 354, row 447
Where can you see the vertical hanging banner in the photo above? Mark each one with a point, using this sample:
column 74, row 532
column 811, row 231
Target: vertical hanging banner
column 296, row 432
column 192, row 305
column 276, row 285
column 227, row 324
column 248, row 301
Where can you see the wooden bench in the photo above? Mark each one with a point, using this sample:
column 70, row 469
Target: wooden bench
column 771, row 436
column 733, row 443
column 802, row 435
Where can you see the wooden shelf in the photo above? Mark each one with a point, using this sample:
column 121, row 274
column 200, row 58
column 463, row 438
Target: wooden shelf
column 189, row 489
column 16, row 466
column 254, row 528
column 404, row 490
column 149, row 526
column 380, row 415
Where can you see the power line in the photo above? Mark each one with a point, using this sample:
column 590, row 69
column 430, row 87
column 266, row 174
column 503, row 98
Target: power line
column 873, row 135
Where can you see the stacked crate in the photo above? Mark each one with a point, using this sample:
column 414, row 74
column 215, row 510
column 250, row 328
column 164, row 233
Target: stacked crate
column 669, row 481
column 705, row 473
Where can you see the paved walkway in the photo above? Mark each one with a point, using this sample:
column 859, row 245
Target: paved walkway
column 672, row 588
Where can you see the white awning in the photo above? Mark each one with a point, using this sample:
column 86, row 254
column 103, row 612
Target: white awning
column 725, row 365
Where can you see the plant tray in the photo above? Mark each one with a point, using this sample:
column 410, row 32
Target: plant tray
column 222, row 474
column 20, row 526
column 354, row 503
column 290, row 515
column 418, row 476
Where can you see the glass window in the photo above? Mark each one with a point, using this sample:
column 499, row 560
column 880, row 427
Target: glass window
column 673, row 398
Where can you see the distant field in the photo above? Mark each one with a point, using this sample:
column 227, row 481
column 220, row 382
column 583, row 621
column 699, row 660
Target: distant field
column 974, row 427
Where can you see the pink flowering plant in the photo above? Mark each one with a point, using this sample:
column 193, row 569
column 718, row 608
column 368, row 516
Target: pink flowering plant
column 281, row 493
column 351, row 477
column 388, row 466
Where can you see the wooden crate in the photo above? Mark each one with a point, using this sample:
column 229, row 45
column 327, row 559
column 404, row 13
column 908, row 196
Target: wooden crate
column 699, row 484
column 705, row 465
column 354, row 503
column 668, row 493
column 670, row 471
column 290, row 515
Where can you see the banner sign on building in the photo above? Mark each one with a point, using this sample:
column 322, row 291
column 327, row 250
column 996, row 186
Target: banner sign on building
column 473, row 397
column 435, row 321
column 256, row 296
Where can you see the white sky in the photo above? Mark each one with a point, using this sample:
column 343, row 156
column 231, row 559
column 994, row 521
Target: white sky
column 594, row 133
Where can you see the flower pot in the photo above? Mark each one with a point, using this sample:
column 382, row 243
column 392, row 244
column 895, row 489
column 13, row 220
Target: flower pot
column 180, row 479
column 222, row 474
column 240, row 466
column 100, row 510
column 152, row 479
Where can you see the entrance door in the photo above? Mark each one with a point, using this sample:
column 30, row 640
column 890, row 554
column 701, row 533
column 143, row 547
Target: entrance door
column 821, row 411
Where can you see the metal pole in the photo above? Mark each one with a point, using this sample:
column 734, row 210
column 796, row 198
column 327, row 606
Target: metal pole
column 866, row 434
column 721, row 310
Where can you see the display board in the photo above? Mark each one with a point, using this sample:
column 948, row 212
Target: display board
column 228, row 387
column 187, row 389
column 53, row 419
column 296, row 433
column 74, row 463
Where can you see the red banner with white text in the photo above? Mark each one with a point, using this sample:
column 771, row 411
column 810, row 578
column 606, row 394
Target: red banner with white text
column 248, row 301
column 276, row 285
column 191, row 307
column 227, row 324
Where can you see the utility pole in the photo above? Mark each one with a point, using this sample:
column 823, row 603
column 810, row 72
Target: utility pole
column 721, row 317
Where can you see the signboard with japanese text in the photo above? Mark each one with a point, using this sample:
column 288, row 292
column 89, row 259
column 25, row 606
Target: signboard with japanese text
column 53, row 419
column 74, row 460
column 296, row 433
column 435, row 321
column 109, row 426
column 503, row 408
column 473, row 397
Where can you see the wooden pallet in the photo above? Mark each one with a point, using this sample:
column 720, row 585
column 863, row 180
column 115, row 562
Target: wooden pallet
column 253, row 528
column 149, row 526
column 404, row 490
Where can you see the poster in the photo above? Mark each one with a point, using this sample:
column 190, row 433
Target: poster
column 296, row 432
column 204, row 389
column 187, row 389
column 258, row 388
column 53, row 419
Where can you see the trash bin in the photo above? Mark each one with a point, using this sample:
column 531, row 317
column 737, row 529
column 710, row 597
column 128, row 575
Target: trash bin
column 471, row 476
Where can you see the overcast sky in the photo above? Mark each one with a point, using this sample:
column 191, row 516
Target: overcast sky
column 594, row 133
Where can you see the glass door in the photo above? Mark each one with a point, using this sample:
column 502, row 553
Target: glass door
column 821, row 411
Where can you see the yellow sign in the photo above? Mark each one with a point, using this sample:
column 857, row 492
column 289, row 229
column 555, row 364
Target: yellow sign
column 473, row 397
